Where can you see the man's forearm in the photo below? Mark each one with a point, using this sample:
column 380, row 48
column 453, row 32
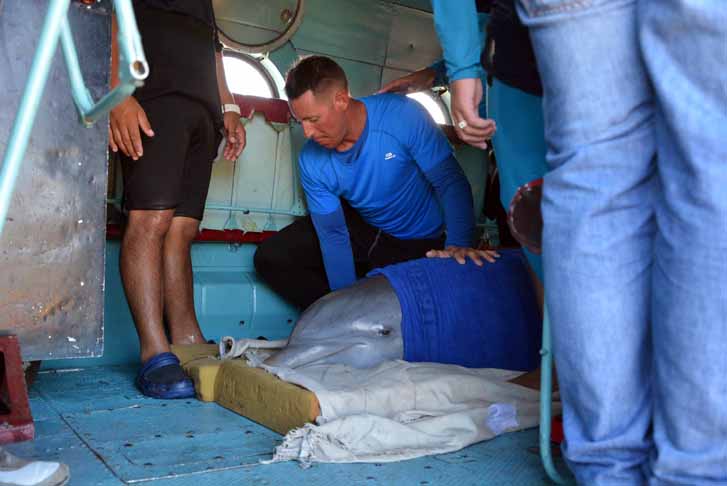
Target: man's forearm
column 455, row 195
column 335, row 248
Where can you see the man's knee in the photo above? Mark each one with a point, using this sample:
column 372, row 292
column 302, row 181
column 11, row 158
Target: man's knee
column 149, row 224
column 183, row 230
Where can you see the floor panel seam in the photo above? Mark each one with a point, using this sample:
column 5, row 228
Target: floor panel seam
column 79, row 436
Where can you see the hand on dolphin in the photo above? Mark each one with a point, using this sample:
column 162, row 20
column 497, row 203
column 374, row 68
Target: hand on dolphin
column 461, row 254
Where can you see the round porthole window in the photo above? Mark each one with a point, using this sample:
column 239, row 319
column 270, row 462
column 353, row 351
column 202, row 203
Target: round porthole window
column 247, row 75
column 257, row 26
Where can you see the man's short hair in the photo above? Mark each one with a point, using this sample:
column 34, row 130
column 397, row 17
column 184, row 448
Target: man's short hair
column 315, row 73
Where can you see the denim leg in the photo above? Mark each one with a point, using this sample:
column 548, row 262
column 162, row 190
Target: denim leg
column 599, row 230
column 684, row 45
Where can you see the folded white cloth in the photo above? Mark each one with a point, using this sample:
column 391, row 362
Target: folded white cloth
column 400, row 410
column 236, row 348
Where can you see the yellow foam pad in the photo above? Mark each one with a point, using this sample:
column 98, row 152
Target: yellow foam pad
column 252, row 392
column 264, row 398
column 200, row 363
column 190, row 352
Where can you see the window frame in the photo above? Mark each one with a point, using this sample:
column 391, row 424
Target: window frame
column 437, row 97
column 256, row 63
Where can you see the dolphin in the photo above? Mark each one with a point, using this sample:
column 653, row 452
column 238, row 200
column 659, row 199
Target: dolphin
column 432, row 310
column 359, row 326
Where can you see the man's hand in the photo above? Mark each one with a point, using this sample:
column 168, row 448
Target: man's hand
column 461, row 254
column 466, row 98
column 125, row 121
column 411, row 83
column 235, row 135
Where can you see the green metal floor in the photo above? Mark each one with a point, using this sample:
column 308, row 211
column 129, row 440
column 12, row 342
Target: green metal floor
column 97, row 422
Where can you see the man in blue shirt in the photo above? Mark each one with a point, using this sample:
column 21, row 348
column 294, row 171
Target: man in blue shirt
column 381, row 182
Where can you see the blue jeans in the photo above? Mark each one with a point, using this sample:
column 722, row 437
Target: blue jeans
column 635, row 235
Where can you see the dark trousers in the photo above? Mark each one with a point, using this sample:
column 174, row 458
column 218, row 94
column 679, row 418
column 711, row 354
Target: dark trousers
column 291, row 263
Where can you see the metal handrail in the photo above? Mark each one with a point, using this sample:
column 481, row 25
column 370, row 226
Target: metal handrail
column 546, row 397
column 133, row 69
column 293, row 211
column 281, row 212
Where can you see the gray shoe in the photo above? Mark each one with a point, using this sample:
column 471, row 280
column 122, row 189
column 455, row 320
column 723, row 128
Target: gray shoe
column 15, row 471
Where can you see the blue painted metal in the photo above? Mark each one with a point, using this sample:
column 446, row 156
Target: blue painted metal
column 238, row 209
column 133, row 68
column 130, row 439
column 289, row 212
column 546, row 391
column 351, row 29
column 56, row 441
column 110, row 434
column 230, row 300
column 425, row 5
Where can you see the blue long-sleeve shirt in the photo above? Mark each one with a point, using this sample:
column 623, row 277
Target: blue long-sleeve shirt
column 461, row 34
column 461, row 55
column 400, row 175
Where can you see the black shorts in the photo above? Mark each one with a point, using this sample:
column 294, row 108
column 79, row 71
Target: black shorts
column 175, row 170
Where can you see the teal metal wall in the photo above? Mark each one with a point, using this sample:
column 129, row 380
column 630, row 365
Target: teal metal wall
column 374, row 41
column 229, row 299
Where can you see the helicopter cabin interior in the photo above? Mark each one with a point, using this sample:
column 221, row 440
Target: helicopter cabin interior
column 62, row 291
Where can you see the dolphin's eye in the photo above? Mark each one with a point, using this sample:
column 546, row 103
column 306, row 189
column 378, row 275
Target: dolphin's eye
column 385, row 332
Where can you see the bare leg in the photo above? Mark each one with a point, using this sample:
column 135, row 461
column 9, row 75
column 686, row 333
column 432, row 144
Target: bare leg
column 178, row 289
column 538, row 288
column 532, row 378
column 141, row 273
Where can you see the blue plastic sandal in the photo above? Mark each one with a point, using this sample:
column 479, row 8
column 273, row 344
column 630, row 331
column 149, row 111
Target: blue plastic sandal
column 162, row 377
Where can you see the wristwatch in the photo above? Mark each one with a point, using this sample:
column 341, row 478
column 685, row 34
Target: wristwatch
column 230, row 107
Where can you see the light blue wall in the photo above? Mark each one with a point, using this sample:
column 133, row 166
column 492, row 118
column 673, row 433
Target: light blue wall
column 368, row 38
column 425, row 5
column 229, row 299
